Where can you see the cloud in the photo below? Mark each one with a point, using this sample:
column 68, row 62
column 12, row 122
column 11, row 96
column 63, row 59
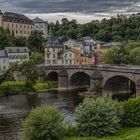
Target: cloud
column 89, row 7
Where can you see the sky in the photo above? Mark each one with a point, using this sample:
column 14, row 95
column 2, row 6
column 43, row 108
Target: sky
column 82, row 10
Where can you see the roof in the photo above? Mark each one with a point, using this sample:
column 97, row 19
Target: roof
column 38, row 20
column 16, row 49
column 17, row 18
column 74, row 43
column 3, row 54
column 53, row 44
column 110, row 44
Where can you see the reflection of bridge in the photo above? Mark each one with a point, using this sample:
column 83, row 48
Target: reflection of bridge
column 116, row 78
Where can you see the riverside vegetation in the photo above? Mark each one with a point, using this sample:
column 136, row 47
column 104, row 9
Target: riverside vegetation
column 99, row 118
column 18, row 87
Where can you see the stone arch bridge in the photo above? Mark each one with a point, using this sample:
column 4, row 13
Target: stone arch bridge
column 111, row 77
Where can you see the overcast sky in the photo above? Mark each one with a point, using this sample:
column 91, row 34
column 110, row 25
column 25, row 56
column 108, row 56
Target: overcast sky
column 82, row 10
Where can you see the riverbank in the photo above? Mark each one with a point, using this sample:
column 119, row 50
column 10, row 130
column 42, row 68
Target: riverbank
column 18, row 87
column 125, row 134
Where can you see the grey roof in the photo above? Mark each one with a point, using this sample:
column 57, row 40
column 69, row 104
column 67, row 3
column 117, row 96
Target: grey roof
column 17, row 18
column 38, row 20
column 3, row 54
column 16, row 49
column 54, row 44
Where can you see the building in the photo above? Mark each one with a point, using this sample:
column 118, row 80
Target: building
column 67, row 57
column 4, row 61
column 70, row 44
column 53, row 51
column 81, row 59
column 88, row 45
column 41, row 26
column 17, row 54
column 18, row 24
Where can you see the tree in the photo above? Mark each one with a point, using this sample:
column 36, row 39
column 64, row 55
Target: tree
column 21, row 41
column 135, row 56
column 99, row 117
column 29, row 70
column 116, row 55
column 6, row 39
column 37, row 57
column 37, row 41
column 44, row 123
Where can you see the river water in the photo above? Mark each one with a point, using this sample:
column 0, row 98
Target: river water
column 13, row 109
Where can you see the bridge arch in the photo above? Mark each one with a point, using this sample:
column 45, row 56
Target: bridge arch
column 79, row 80
column 52, row 76
column 120, row 85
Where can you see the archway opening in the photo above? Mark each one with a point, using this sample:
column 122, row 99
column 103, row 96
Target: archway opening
column 52, row 76
column 80, row 80
column 121, row 87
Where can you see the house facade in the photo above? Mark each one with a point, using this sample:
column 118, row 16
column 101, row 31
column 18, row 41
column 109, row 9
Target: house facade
column 17, row 54
column 41, row 25
column 18, row 24
column 4, row 61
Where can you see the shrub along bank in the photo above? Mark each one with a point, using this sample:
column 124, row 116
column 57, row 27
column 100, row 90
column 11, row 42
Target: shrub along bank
column 18, row 87
column 98, row 118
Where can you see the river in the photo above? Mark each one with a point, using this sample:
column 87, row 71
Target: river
column 13, row 109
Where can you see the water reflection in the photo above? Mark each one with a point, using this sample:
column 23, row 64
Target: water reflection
column 14, row 109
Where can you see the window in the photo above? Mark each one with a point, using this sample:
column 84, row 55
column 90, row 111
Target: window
column 24, row 26
column 70, row 55
column 16, row 32
column 20, row 32
column 20, row 26
column 48, row 56
column 8, row 25
column 36, row 26
column 41, row 26
column 66, row 55
column 16, row 25
column 53, row 49
column 53, row 55
column 70, row 62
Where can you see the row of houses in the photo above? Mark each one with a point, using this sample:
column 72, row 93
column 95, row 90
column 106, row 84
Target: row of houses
column 75, row 52
column 20, row 25
column 12, row 55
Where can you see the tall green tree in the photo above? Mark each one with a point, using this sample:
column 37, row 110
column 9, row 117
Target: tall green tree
column 29, row 70
column 37, row 41
column 6, row 38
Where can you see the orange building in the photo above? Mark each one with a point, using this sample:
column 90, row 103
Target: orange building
column 81, row 60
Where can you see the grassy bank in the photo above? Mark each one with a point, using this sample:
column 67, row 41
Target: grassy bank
column 125, row 134
column 18, row 87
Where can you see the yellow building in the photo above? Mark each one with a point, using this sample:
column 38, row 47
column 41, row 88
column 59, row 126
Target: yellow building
column 81, row 59
column 18, row 24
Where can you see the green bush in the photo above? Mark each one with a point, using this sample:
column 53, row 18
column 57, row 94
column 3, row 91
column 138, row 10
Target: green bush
column 43, row 123
column 132, row 112
column 98, row 117
column 70, row 130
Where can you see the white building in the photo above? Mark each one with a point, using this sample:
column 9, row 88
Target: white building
column 4, row 61
column 68, row 57
column 17, row 54
column 41, row 25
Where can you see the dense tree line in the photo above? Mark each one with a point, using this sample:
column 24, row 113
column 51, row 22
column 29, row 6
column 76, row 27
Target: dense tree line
column 129, row 53
column 35, row 42
column 120, row 28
